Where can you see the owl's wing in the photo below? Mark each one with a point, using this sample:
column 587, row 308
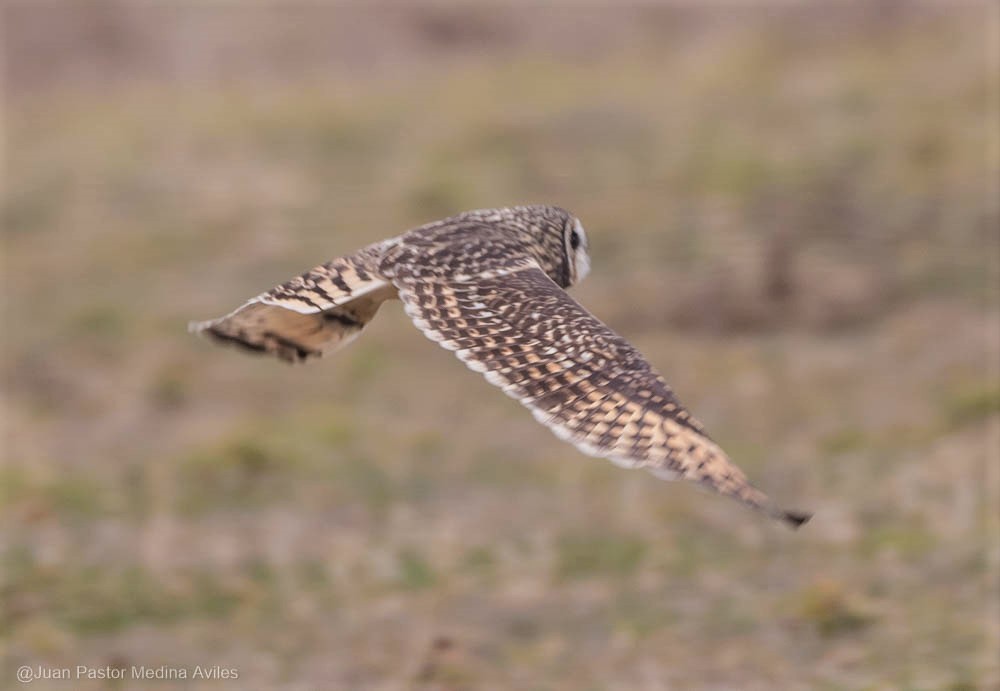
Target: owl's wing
column 578, row 377
column 312, row 314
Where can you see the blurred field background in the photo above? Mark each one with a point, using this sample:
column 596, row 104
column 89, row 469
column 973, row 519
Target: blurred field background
column 793, row 212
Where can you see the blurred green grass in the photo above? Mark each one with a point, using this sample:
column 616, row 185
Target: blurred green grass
column 794, row 227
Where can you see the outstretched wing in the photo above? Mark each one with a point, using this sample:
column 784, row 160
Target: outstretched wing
column 312, row 314
column 578, row 377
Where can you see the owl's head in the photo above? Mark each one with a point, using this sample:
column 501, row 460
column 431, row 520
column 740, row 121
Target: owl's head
column 558, row 239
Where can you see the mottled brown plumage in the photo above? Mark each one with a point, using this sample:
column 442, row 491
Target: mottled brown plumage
column 488, row 285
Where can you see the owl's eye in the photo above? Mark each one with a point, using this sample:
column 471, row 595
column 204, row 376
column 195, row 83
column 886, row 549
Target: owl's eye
column 574, row 239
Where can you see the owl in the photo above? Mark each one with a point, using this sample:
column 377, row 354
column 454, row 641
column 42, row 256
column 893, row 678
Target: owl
column 489, row 285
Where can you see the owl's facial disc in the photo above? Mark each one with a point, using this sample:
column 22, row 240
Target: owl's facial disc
column 579, row 251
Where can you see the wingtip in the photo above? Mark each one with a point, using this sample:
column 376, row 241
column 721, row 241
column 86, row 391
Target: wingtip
column 795, row 519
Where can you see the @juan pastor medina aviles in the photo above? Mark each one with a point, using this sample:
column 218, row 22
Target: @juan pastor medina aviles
column 162, row 672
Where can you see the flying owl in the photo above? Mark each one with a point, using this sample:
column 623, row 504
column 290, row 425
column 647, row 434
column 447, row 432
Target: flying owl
column 489, row 285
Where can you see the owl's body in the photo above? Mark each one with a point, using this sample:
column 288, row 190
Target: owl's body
column 488, row 285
